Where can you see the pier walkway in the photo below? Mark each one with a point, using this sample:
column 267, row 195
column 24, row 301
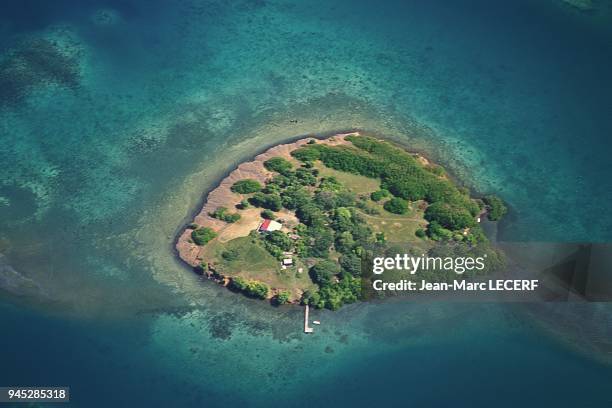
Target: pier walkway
column 307, row 328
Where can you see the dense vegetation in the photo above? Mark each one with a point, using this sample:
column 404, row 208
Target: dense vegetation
column 201, row 236
column 246, row 186
column 268, row 214
column 379, row 195
column 329, row 225
column 396, row 206
column 282, row 297
column 221, row 214
column 403, row 176
column 250, row 288
column 279, row 165
column 269, row 201
column 495, row 206
column 448, row 216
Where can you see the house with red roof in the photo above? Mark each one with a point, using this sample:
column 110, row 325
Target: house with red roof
column 269, row 226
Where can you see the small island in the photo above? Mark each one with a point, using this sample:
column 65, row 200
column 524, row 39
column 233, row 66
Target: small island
column 294, row 224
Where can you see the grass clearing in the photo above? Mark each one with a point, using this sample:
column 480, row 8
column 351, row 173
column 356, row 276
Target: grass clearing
column 397, row 228
column 353, row 182
column 252, row 261
column 250, row 219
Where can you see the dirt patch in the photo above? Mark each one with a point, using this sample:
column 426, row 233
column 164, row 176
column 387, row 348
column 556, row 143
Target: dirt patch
column 249, row 221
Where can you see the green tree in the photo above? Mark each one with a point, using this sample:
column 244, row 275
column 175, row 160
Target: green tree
column 320, row 240
column 306, row 154
column 282, row 297
column 323, row 272
column 294, row 197
column 280, row 240
column 312, row 298
column 344, row 242
column 396, row 206
column 221, row 214
column 330, row 184
column 379, row 195
column 449, row 217
column 231, row 218
column 351, row 264
column 309, row 214
column 272, row 188
column 326, row 200
column 238, row 283
column 342, row 219
column 246, row 186
column 243, row 205
column 332, row 297
column 268, row 215
column 279, row 165
column 307, row 177
column 270, row 201
column 496, row 207
column 202, row 236
column 438, row 232
column 345, row 199
column 257, row 289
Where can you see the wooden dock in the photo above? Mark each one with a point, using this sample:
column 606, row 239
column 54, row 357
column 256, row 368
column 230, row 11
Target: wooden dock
column 307, row 328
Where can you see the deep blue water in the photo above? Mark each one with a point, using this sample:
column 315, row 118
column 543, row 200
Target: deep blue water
column 116, row 364
column 514, row 97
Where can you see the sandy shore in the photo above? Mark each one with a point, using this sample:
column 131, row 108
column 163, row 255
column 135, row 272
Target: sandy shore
column 222, row 196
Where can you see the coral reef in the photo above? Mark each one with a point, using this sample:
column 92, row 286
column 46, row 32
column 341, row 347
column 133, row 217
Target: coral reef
column 32, row 64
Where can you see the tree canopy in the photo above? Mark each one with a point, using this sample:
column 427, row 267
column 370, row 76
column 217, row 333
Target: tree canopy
column 379, row 195
column 323, row 272
column 401, row 174
column 250, row 288
column 246, row 186
column 279, row 165
column 396, row 206
column 496, row 207
column 449, row 216
column 202, row 236
column 221, row 214
column 282, row 297
column 268, row 214
column 270, row 201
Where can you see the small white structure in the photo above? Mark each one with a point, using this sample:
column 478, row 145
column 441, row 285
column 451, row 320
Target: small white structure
column 287, row 262
column 269, row 226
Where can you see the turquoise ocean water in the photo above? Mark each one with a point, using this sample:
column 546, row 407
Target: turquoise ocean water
column 145, row 104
